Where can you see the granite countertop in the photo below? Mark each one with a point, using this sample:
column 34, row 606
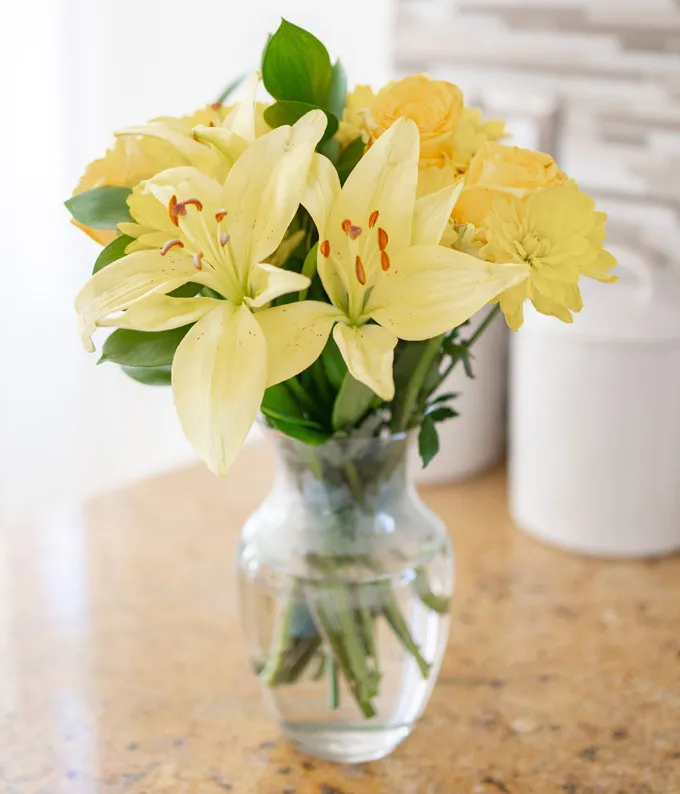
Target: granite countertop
column 122, row 667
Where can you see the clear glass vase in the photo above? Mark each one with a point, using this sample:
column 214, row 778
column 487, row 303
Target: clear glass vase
column 345, row 581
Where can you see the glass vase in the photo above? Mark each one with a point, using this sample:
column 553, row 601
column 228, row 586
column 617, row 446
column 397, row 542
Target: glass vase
column 345, row 581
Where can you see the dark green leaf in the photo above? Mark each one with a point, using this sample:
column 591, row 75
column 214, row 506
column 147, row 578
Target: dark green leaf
column 143, row 348
column 334, row 364
column 428, row 441
column 349, row 157
column 102, row 207
column 308, row 435
column 442, row 398
column 188, row 290
column 150, row 376
column 309, row 268
column 113, row 251
column 296, row 66
column 279, row 399
column 353, row 401
column 337, row 92
column 330, row 148
column 289, row 111
column 467, row 362
column 229, row 89
column 442, row 413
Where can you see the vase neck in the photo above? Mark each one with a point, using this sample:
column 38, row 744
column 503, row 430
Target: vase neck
column 360, row 474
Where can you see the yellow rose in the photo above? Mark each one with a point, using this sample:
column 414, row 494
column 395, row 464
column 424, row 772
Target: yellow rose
column 499, row 171
column 435, row 105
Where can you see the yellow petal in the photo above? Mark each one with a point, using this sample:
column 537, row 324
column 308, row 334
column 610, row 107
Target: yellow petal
column 432, row 214
column 369, row 354
column 218, row 379
column 227, row 143
column 121, row 283
column 241, row 120
column 384, row 179
column 432, row 289
column 263, row 190
column 161, row 313
column 194, row 153
column 267, row 282
column 296, row 334
column 321, row 191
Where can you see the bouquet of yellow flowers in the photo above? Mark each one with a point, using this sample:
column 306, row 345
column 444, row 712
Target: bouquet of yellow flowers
column 316, row 259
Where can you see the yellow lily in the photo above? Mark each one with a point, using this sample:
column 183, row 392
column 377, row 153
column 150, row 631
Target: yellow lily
column 380, row 260
column 230, row 134
column 221, row 234
column 167, row 142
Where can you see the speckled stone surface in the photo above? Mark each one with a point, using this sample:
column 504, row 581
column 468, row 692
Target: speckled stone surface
column 122, row 667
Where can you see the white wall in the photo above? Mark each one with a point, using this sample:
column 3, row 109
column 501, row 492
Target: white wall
column 73, row 70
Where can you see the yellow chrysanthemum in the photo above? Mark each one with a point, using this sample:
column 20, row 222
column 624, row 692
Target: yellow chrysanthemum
column 559, row 234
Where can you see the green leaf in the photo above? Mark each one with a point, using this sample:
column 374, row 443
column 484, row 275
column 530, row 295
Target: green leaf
column 143, row 348
column 428, row 441
column 349, row 157
column 229, row 89
column 188, row 290
column 441, row 414
column 442, row 398
column 289, row 111
column 337, row 91
column 353, row 401
column 102, row 207
column 333, row 364
column 113, row 251
column 296, row 66
column 309, row 268
column 308, row 435
column 150, row 376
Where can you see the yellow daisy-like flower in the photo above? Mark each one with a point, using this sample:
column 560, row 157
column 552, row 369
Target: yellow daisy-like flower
column 560, row 235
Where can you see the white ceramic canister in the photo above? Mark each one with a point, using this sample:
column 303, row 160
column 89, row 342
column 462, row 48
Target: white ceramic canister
column 474, row 440
column 595, row 419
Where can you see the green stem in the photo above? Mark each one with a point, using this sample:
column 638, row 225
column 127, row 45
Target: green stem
column 399, row 626
column 490, row 317
column 333, row 681
column 405, row 409
column 437, row 603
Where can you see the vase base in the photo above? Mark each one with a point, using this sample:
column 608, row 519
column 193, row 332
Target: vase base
column 345, row 744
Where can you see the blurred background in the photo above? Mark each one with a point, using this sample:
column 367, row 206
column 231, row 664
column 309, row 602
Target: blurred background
column 594, row 82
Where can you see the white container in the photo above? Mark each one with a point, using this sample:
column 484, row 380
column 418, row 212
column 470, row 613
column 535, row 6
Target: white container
column 595, row 419
column 475, row 440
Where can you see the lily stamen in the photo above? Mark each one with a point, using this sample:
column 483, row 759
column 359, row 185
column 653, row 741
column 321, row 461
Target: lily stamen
column 224, row 239
column 220, row 214
column 373, row 219
column 345, row 225
column 360, row 271
column 194, row 202
column 384, row 261
column 383, row 239
column 171, row 244
column 198, row 260
column 325, row 248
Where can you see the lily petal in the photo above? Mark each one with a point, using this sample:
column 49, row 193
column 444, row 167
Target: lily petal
column 241, row 120
column 432, row 214
column 268, row 282
column 262, row 191
column 296, row 335
column 218, row 379
column 195, row 153
column 161, row 313
column 321, row 191
column 122, row 283
column 433, row 289
column 228, row 143
column 369, row 355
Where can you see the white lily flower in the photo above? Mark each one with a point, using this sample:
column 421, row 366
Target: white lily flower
column 219, row 236
column 380, row 260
